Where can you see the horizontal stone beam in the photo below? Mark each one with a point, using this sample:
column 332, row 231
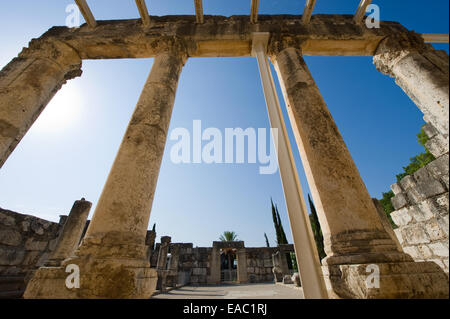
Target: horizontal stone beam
column 325, row 35
column 199, row 11
column 254, row 11
column 435, row 38
column 307, row 13
column 361, row 11
column 86, row 12
column 143, row 12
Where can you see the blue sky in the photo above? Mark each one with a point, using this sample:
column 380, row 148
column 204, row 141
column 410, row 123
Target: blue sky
column 67, row 154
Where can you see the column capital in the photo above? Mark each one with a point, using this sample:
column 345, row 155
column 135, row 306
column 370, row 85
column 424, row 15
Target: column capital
column 279, row 43
column 172, row 45
column 394, row 48
column 58, row 52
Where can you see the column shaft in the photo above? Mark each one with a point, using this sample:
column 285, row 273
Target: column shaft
column 123, row 210
column 71, row 233
column 309, row 264
column 27, row 84
column 348, row 217
column 422, row 72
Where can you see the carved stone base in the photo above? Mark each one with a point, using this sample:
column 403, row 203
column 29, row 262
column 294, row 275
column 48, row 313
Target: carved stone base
column 99, row 279
column 396, row 280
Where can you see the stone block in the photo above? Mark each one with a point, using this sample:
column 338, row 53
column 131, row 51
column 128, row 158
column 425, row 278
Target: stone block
column 399, row 201
column 7, row 220
column 439, row 249
column 401, row 217
column 415, row 234
column 425, row 190
column 42, row 259
column 267, row 263
column 10, row 237
column 396, row 188
column 422, row 175
column 250, row 270
column 435, row 230
column 400, row 238
column 407, row 182
column 11, row 256
column 438, row 145
column 31, row 258
column 413, row 252
column 445, row 181
column 439, row 167
column 424, row 252
column 443, row 224
column 32, row 244
column 420, row 215
column 429, row 130
column 443, row 202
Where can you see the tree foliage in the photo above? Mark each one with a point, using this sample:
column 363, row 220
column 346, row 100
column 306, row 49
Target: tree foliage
column 228, row 236
column 279, row 230
column 416, row 163
column 317, row 231
column 267, row 240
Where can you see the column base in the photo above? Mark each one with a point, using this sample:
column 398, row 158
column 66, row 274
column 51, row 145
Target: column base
column 397, row 280
column 99, row 279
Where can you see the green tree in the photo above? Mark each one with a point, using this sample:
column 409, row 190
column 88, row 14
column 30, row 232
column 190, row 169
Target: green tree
column 283, row 237
column 267, row 240
column 386, row 203
column 317, row 231
column 228, row 236
column 154, row 228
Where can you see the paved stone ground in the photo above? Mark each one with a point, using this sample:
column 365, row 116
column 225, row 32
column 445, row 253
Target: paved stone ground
column 231, row 291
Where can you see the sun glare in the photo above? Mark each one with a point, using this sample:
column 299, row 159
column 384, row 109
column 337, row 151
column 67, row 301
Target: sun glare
column 62, row 111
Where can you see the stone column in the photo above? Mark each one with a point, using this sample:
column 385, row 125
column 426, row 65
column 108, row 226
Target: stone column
column 69, row 238
column 421, row 71
column 112, row 256
column 150, row 242
column 214, row 276
column 163, row 251
column 241, row 266
column 28, row 83
column 354, row 236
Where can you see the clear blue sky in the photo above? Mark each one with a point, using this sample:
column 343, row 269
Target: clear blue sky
column 67, row 154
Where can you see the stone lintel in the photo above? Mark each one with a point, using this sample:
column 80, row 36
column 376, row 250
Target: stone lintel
column 333, row 35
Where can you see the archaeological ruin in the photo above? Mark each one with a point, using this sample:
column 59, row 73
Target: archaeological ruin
column 118, row 257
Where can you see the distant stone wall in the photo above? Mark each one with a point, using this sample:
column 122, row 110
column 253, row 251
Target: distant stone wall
column 422, row 206
column 260, row 264
column 25, row 244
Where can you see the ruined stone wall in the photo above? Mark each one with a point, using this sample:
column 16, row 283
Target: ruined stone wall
column 260, row 264
column 25, row 244
column 422, row 206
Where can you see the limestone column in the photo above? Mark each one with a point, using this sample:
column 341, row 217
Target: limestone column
column 69, row 238
column 242, row 276
column 421, row 71
column 150, row 242
column 28, row 83
column 214, row 276
column 353, row 232
column 112, row 256
column 163, row 252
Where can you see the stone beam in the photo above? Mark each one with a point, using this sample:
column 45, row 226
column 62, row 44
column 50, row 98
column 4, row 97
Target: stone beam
column 143, row 12
column 254, row 11
column 199, row 11
column 307, row 13
column 435, row 38
column 361, row 11
column 86, row 12
column 325, row 35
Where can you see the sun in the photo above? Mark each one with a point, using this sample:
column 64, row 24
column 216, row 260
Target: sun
column 62, row 111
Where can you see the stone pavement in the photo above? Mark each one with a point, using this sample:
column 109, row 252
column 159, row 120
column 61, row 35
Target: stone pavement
column 234, row 291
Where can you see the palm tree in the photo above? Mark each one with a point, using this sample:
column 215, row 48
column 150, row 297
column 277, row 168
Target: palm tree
column 228, row 236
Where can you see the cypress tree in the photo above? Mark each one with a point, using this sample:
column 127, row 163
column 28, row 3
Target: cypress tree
column 283, row 237
column 267, row 240
column 275, row 223
column 315, row 225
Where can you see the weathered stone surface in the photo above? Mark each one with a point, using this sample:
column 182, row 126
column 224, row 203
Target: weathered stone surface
column 399, row 201
column 440, row 249
column 396, row 188
column 401, row 217
column 408, row 182
column 10, row 237
column 32, row 244
column 415, row 234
